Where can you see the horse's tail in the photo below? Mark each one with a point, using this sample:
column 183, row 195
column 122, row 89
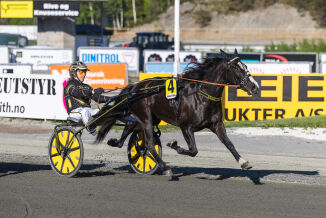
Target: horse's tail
column 109, row 121
column 111, row 117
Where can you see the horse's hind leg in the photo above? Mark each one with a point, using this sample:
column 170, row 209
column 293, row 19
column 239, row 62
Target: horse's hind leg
column 190, row 139
column 219, row 129
column 129, row 128
column 144, row 118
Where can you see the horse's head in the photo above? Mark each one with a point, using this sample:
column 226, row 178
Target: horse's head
column 239, row 74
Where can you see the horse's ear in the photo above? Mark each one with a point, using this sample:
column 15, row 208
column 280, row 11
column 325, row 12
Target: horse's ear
column 235, row 52
column 224, row 54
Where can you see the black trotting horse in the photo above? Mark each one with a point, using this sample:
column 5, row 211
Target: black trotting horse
column 197, row 106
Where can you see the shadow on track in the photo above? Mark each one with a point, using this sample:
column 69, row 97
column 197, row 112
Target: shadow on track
column 225, row 173
column 7, row 169
column 93, row 170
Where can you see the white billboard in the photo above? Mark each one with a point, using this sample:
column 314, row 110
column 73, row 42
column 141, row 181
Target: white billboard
column 279, row 68
column 323, row 68
column 4, row 55
column 99, row 55
column 323, row 57
column 40, row 58
column 32, row 96
column 165, row 56
column 16, row 69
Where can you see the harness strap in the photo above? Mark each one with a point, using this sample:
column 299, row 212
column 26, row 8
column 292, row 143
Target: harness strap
column 212, row 98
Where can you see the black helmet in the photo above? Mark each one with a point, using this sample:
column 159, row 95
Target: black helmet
column 75, row 66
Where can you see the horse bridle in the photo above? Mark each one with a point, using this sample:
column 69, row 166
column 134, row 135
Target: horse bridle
column 245, row 79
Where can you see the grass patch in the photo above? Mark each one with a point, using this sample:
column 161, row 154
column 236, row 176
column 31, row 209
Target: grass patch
column 303, row 122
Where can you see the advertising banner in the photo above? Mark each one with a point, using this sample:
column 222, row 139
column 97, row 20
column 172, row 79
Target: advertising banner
column 323, row 68
column 16, row 9
column 32, row 96
column 106, row 76
column 246, row 57
column 279, row 68
column 166, row 56
column 99, row 55
column 164, row 67
column 56, row 9
column 4, row 55
column 21, row 69
column 41, row 58
column 279, row 97
column 143, row 76
column 310, row 57
column 323, row 57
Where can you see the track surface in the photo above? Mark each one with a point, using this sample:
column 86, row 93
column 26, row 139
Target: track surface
column 288, row 180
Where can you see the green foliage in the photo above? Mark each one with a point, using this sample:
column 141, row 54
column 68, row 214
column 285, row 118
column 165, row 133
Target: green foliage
column 18, row 21
column 248, row 49
column 317, row 9
column 146, row 11
column 149, row 10
column 303, row 46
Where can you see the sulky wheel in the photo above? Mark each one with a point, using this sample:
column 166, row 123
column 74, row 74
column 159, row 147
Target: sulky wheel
column 66, row 152
column 140, row 159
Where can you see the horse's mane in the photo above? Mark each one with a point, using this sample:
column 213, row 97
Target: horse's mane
column 197, row 70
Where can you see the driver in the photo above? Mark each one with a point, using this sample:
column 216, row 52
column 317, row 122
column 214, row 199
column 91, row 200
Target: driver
column 78, row 95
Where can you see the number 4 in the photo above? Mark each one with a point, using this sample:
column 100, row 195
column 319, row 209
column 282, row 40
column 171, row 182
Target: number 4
column 171, row 87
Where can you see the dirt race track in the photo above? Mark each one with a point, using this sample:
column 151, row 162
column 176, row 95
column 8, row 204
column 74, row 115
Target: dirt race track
column 288, row 177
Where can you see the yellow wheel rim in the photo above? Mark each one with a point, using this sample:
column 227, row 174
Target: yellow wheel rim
column 141, row 160
column 69, row 163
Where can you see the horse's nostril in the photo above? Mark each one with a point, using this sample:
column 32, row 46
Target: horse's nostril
column 254, row 90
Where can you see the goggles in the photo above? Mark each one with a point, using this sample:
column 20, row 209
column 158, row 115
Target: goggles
column 82, row 72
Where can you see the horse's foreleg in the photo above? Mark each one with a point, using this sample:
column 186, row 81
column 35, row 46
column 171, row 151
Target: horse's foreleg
column 148, row 136
column 219, row 129
column 190, row 139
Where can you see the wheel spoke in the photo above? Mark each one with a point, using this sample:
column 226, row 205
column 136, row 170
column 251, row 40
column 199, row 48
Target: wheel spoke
column 73, row 149
column 63, row 163
column 71, row 162
column 54, row 155
column 151, row 157
column 67, row 140
column 144, row 166
column 135, row 158
column 136, row 144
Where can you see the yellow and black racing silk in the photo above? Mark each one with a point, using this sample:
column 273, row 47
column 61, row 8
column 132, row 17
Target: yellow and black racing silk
column 78, row 94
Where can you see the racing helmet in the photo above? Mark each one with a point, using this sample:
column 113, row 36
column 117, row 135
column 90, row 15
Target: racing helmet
column 75, row 66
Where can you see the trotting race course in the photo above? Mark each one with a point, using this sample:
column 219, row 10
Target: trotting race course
column 288, row 177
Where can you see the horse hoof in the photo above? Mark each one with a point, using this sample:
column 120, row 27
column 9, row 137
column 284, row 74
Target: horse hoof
column 173, row 144
column 167, row 172
column 246, row 166
column 113, row 143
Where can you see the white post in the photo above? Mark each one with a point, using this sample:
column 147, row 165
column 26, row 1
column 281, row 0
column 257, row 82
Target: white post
column 176, row 37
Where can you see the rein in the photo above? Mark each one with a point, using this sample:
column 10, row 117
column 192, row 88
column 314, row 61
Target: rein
column 216, row 84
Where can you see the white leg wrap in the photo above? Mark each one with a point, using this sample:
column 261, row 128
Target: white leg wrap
column 241, row 161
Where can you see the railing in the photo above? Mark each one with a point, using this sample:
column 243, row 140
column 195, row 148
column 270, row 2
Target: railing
column 227, row 34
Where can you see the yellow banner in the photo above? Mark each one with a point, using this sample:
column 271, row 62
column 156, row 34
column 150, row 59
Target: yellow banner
column 16, row 9
column 143, row 76
column 280, row 96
